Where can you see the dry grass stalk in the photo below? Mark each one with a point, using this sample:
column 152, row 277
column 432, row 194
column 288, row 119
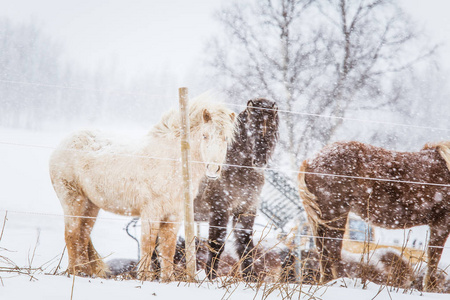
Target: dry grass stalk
column 392, row 271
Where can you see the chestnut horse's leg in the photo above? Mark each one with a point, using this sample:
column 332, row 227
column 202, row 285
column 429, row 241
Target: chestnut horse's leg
column 149, row 234
column 243, row 231
column 329, row 243
column 167, row 246
column 438, row 236
column 79, row 220
column 217, row 233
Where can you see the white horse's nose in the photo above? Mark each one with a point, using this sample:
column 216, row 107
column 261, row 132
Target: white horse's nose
column 213, row 171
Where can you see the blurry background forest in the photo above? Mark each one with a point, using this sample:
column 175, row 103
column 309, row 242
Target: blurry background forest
column 338, row 69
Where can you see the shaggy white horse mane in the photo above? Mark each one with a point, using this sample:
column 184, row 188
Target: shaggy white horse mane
column 170, row 122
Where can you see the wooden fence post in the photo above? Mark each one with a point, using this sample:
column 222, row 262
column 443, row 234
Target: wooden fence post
column 187, row 186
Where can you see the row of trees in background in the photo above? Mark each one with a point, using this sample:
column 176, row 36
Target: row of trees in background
column 337, row 58
column 38, row 87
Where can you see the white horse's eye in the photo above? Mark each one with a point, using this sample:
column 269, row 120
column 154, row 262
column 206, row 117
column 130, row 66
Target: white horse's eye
column 205, row 137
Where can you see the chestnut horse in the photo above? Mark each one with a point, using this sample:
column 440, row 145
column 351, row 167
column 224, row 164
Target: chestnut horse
column 394, row 190
column 90, row 171
column 237, row 192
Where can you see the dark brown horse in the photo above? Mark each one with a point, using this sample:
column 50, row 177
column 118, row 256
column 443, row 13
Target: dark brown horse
column 237, row 192
column 389, row 189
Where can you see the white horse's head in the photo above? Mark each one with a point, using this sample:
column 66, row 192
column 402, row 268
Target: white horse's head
column 215, row 134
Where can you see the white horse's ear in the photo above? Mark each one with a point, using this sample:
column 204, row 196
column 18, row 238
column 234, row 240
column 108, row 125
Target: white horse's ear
column 206, row 116
column 232, row 116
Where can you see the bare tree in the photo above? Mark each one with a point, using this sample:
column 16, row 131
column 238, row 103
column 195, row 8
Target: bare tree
column 316, row 57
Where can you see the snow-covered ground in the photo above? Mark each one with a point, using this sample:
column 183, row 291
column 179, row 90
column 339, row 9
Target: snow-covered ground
column 57, row 287
column 33, row 237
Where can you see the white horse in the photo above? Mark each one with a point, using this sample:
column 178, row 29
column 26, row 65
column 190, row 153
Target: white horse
column 90, row 171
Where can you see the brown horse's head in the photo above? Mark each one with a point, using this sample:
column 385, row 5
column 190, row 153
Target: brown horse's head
column 260, row 121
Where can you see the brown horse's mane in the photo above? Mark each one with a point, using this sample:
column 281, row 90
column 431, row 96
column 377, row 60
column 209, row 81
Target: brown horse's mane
column 247, row 126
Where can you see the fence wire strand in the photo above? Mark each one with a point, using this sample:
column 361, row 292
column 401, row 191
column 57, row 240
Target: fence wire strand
column 236, row 166
column 269, row 225
column 85, row 89
column 73, row 87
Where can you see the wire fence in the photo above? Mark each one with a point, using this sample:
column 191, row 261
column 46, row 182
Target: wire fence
column 342, row 118
column 14, row 144
column 166, row 97
column 81, row 88
column 267, row 227
column 235, row 166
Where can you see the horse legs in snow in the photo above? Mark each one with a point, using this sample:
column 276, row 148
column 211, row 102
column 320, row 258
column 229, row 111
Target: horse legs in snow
column 149, row 233
column 438, row 237
column 217, row 234
column 83, row 258
column 243, row 231
column 329, row 243
column 166, row 246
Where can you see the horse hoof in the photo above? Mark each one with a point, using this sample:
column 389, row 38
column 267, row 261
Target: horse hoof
column 250, row 276
column 78, row 272
column 104, row 274
column 431, row 286
column 431, row 289
column 145, row 276
column 212, row 275
column 167, row 278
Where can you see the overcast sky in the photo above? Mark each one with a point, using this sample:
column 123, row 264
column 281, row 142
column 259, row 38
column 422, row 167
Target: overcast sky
column 140, row 35
column 135, row 34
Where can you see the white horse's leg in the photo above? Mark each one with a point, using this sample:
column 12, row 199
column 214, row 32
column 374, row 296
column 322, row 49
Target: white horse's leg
column 149, row 234
column 98, row 266
column 167, row 246
column 79, row 221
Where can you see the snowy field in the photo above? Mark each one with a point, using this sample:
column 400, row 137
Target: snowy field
column 58, row 287
column 33, row 237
